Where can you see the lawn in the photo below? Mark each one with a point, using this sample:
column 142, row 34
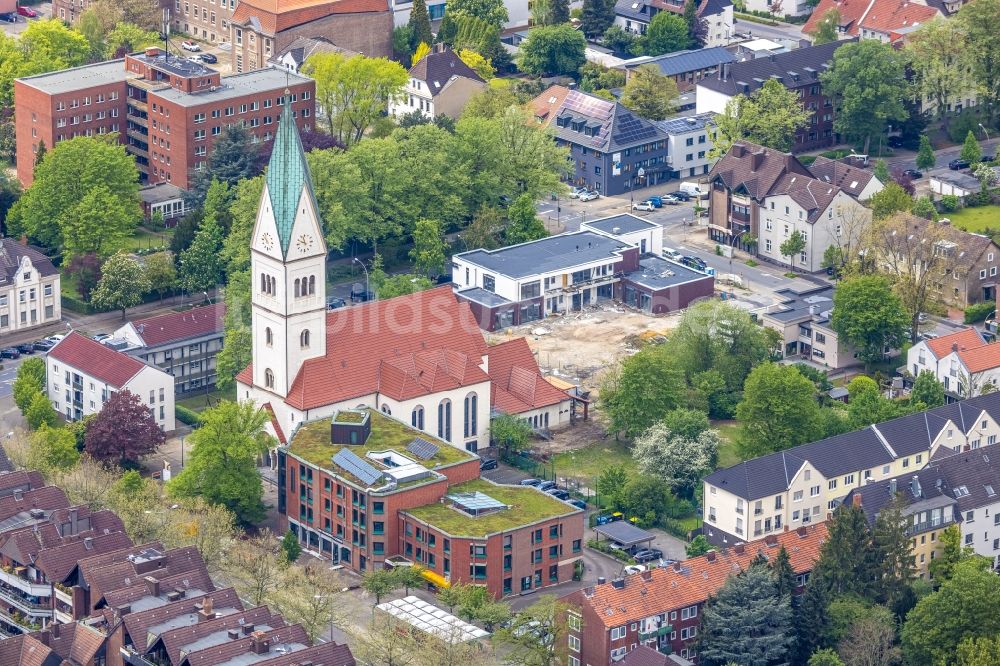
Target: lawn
column 728, row 432
column 199, row 402
column 976, row 219
column 144, row 238
column 586, row 464
column 526, row 505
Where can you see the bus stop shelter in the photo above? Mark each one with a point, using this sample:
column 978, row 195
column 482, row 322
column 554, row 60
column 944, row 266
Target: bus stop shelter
column 625, row 533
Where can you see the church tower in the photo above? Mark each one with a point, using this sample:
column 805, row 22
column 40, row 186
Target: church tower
column 288, row 266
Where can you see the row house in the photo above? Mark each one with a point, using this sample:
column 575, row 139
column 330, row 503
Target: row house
column 716, row 15
column 661, row 608
column 29, row 288
column 759, row 198
column 804, row 484
column 963, row 362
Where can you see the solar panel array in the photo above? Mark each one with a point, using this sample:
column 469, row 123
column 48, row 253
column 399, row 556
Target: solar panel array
column 422, row 449
column 351, row 463
column 593, row 108
column 629, row 129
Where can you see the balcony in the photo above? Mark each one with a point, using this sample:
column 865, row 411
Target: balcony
column 137, row 135
column 137, row 104
column 655, row 633
column 136, row 150
column 11, row 580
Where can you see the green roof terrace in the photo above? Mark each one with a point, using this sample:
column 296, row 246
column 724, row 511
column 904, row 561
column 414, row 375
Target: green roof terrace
column 522, row 506
column 312, row 443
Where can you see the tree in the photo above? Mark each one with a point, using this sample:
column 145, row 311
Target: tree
column 612, row 481
column 428, row 253
column 420, row 25
column 891, row 551
column 826, row 656
column 687, row 423
column 402, row 284
column 778, row 410
column 811, row 621
column 667, row 32
column 952, row 552
column 493, row 12
column 523, row 224
column 867, row 405
column 828, row 28
column 559, row 13
column 638, row 392
column 986, row 176
column 784, row 575
column 123, row 431
column 649, row 93
column 845, row 565
column 184, row 231
column 30, row 380
column 889, row 200
column 122, row 285
column 978, row 652
column 256, row 567
column 127, row 38
column 477, row 62
column 792, row 246
column 942, row 66
column 674, row 459
column 927, row 391
column 222, row 468
column 209, row 528
column 52, row 45
column 747, row 622
column 538, row 634
column 695, row 25
column 963, row 608
column 869, row 315
column 597, row 17
column 868, row 81
column 556, row 50
column 925, row 155
column 698, row 546
column 490, row 103
column 310, row 596
column 161, row 272
column 980, row 24
column 79, row 178
column 870, row 640
column 484, row 230
column 881, row 171
column 408, row 577
column 422, row 51
column 971, row 152
column 233, row 159
column 924, row 207
column 509, row 432
column 201, row 264
column 290, row 547
column 388, row 642
column 646, row 498
column 378, row 583
column 53, row 449
column 770, row 116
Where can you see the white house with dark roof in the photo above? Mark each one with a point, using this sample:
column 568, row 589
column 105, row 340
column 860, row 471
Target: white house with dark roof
column 29, row 288
column 634, row 16
column 689, row 141
column 439, row 84
column 300, row 49
column 803, row 484
column 686, row 68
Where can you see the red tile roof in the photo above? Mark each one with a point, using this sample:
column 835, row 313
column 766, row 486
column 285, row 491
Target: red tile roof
column 851, row 12
column 177, row 326
column 93, row 358
column 274, row 18
column 25, row 651
column 389, row 344
column 517, row 383
column 967, row 338
column 888, row 15
column 694, row 580
column 545, row 106
column 982, row 358
column 279, row 433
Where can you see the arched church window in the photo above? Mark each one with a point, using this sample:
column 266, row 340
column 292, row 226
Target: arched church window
column 268, row 336
column 304, row 339
column 268, row 378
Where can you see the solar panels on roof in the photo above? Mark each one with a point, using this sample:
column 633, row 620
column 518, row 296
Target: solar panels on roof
column 476, row 502
column 422, row 449
column 351, row 463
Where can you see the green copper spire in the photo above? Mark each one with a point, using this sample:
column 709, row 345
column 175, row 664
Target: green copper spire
column 287, row 174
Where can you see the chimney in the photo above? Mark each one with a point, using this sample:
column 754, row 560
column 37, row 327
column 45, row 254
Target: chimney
column 207, row 611
column 618, row 583
column 677, row 567
column 153, row 586
column 152, row 51
column 954, row 346
column 124, row 610
column 74, row 521
column 756, row 160
column 739, row 548
column 724, row 74
column 260, row 644
column 801, row 531
column 601, row 580
column 54, row 627
column 248, row 628
column 771, row 540
column 856, row 499
column 646, row 575
column 915, row 487
column 710, row 556
column 739, row 150
column 233, row 634
column 88, row 543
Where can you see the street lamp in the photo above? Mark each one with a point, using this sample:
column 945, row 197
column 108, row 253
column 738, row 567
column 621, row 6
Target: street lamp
column 640, row 174
column 985, row 132
column 732, row 247
column 367, row 282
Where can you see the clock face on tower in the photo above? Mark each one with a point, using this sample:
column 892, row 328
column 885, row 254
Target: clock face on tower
column 304, row 243
column 267, row 241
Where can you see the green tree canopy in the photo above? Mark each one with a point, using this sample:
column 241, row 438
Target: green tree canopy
column 869, row 315
column 598, row 16
column 889, row 200
column 510, row 432
column 523, row 224
column 128, row 38
column 640, row 391
column 649, row 93
column 942, row 66
column 101, row 223
column 827, row 29
column 123, row 431
column 971, row 151
column 201, row 266
column 30, row 380
column 40, row 412
column 927, row 391
column 667, row 32
column 676, row 460
column 556, row 50
column 493, row 12
column 420, row 25
column 845, row 565
column 123, row 284
column 779, row 410
column 53, row 449
column 161, row 272
column 792, row 246
column 687, row 423
column 771, row 116
column 980, row 24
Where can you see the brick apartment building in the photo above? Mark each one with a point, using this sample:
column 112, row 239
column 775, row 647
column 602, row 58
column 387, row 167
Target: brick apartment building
column 661, row 608
column 203, row 19
column 367, row 491
column 167, row 110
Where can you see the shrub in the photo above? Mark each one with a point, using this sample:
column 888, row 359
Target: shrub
column 187, row 416
column 979, row 312
column 74, row 304
column 751, row 263
column 950, row 203
column 603, row 547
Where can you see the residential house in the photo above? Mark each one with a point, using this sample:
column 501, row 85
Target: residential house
column 293, row 56
column 613, row 150
column 797, row 70
column 963, row 362
column 29, row 288
column 260, row 29
column 634, row 16
column 615, row 257
column 82, row 374
column 802, row 485
column 780, row 7
column 802, row 318
column 182, row 344
column 769, row 195
column 686, row 68
column 872, row 19
column 439, row 84
column 689, row 141
column 367, row 491
column 661, row 608
column 956, row 488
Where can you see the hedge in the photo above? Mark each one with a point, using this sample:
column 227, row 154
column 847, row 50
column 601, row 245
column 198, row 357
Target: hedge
column 74, row 304
column 755, row 19
column 979, row 312
column 603, row 547
column 187, row 416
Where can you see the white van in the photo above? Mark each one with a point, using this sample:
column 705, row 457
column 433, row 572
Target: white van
column 671, row 253
column 693, row 190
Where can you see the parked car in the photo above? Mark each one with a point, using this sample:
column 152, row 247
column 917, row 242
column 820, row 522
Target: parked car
column 671, row 199
column 682, row 196
column 647, row 555
column 209, row 58
column 101, row 336
column 589, row 195
column 635, row 568
column 922, row 317
column 694, row 262
column 10, row 352
column 546, row 485
column 26, row 348
column 189, row 45
column 530, row 482
column 656, row 201
column 358, row 293
column 958, row 165
column 558, row 493
column 606, row 518
column 10, row 17
column 42, row 345
column 913, row 173
column 692, row 189
column 27, row 11
column 643, row 205
column 580, row 504
column 487, row 464
column 576, row 192
column 55, row 338
column 671, row 253
column 988, row 158
column 333, row 303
